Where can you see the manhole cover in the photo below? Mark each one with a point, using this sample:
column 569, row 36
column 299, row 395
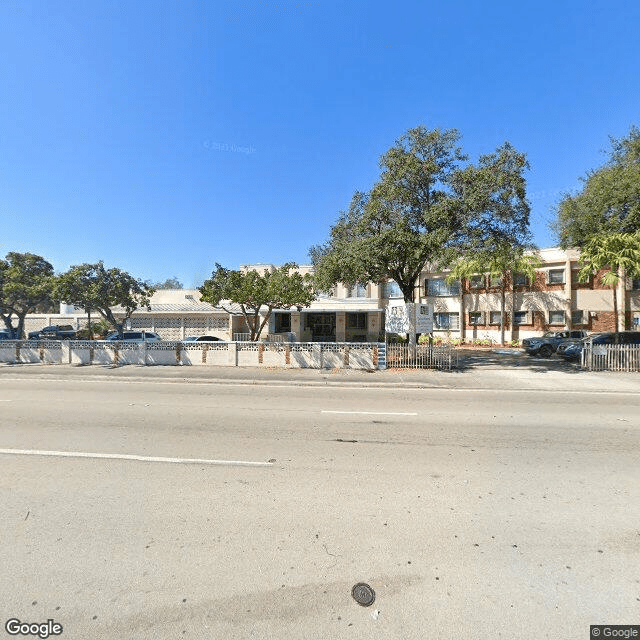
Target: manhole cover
column 363, row 594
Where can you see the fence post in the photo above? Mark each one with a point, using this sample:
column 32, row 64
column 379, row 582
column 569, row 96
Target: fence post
column 233, row 354
column 316, row 356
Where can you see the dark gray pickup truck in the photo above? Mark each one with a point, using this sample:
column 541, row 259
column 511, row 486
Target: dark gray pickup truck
column 548, row 342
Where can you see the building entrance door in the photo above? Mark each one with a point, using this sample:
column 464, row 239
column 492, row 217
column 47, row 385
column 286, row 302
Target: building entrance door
column 322, row 326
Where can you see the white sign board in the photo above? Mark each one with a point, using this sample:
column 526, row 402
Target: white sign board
column 398, row 313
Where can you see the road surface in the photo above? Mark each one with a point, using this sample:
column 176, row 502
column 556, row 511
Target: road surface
column 471, row 513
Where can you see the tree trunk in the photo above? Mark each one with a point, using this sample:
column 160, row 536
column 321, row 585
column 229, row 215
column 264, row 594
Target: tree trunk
column 266, row 319
column 615, row 306
column 20, row 330
column 8, row 324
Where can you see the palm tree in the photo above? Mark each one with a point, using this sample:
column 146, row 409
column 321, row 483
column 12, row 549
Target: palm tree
column 502, row 263
column 619, row 252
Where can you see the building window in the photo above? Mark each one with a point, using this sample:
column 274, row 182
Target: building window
column 520, row 280
column 555, row 276
column 283, row 322
column 521, row 317
column 494, row 317
column 440, row 287
column 556, row 317
column 356, row 320
column 577, row 316
column 476, row 282
column 635, row 284
column 358, row 291
column 323, row 295
column 476, row 317
column 495, row 280
column 450, row 321
column 391, row 290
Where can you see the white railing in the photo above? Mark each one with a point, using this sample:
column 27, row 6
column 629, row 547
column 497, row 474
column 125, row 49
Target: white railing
column 314, row 355
column 611, row 357
column 281, row 337
column 422, row 356
column 242, row 337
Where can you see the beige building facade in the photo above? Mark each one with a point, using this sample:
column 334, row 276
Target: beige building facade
column 467, row 310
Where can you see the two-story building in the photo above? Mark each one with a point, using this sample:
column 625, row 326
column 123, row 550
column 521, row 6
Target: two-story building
column 469, row 309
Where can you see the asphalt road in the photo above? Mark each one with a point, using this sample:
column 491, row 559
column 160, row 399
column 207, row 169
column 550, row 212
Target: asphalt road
column 472, row 513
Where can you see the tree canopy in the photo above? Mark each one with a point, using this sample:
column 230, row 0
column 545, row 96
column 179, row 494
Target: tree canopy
column 427, row 208
column 254, row 292
column 26, row 283
column 169, row 283
column 93, row 287
column 609, row 201
column 403, row 222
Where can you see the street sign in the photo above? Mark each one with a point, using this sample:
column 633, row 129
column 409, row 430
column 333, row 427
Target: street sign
column 399, row 312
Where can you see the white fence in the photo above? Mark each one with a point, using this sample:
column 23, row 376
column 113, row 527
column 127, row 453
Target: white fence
column 313, row 355
column 611, row 357
column 401, row 356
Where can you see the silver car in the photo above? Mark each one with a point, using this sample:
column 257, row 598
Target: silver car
column 133, row 336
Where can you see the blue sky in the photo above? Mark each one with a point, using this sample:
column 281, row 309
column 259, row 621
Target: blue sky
column 164, row 136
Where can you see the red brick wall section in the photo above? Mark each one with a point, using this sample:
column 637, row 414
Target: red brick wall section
column 540, row 321
column 541, row 283
column 603, row 321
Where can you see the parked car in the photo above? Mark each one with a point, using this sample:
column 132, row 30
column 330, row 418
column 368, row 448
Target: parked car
column 202, row 339
column 572, row 350
column 133, row 336
column 54, row 332
column 5, row 334
column 547, row 344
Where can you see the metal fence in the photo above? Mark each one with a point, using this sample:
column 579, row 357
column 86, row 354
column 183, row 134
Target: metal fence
column 422, row 356
column 611, row 357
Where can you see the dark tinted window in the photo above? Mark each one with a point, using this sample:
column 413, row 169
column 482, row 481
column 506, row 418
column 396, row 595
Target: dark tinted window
column 632, row 337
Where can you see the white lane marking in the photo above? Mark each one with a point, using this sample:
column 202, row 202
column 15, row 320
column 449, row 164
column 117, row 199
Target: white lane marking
column 6, row 400
column 373, row 413
column 124, row 456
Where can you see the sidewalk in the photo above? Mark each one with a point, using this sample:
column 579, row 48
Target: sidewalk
column 535, row 377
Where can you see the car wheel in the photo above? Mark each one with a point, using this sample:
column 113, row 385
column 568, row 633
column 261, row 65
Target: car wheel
column 546, row 351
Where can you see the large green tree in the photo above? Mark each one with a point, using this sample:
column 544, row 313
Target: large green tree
column 404, row 222
column 257, row 293
column 426, row 208
column 26, row 283
column 609, row 201
column 93, row 287
column 618, row 252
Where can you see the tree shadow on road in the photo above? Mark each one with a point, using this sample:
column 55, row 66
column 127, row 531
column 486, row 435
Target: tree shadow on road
column 470, row 360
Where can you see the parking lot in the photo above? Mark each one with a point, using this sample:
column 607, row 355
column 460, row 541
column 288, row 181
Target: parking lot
column 512, row 359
